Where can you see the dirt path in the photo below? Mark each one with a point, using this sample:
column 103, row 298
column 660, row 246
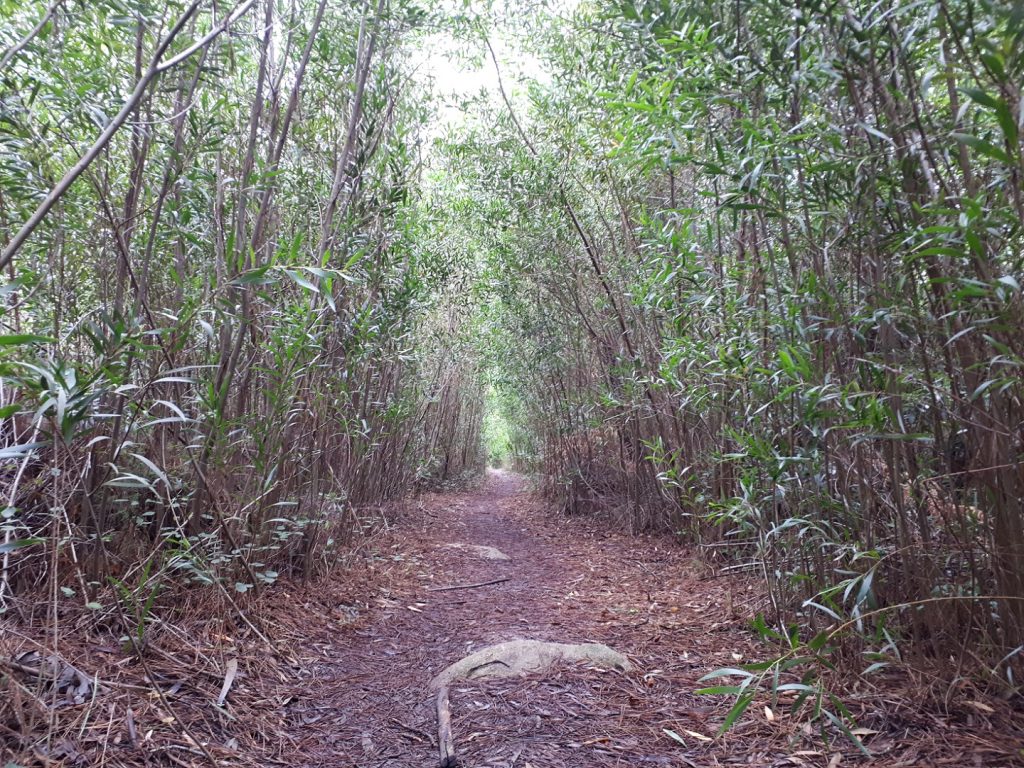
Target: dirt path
column 364, row 700
column 338, row 675
column 368, row 702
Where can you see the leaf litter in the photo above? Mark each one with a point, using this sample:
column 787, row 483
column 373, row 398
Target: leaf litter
column 345, row 678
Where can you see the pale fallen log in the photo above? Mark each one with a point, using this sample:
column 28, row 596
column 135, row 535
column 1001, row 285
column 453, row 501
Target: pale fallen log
column 485, row 552
column 518, row 657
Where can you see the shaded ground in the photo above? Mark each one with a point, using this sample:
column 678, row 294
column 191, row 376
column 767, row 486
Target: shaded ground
column 366, row 702
column 344, row 678
column 566, row 585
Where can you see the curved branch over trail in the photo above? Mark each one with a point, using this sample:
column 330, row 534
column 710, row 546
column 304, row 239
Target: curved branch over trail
column 19, row 46
column 156, row 67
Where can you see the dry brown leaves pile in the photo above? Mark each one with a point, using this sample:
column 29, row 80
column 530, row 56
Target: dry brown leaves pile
column 341, row 679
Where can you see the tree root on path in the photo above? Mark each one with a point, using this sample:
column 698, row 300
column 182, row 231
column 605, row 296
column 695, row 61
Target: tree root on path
column 445, row 741
column 517, row 657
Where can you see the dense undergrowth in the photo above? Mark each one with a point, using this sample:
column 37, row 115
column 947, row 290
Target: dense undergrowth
column 755, row 270
column 226, row 337
column 749, row 272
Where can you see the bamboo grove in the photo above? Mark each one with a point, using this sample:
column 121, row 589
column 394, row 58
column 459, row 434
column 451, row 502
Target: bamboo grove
column 756, row 268
column 213, row 341
column 745, row 272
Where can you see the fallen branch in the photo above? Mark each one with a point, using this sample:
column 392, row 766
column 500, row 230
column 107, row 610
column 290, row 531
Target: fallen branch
column 416, row 733
column 445, row 741
column 469, row 586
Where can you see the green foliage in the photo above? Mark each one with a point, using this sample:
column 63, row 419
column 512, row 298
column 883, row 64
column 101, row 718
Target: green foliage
column 753, row 276
column 748, row 272
column 214, row 349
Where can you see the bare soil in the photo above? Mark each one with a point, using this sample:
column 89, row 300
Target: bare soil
column 344, row 680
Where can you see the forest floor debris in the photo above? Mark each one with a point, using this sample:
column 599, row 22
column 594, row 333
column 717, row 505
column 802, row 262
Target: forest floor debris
column 346, row 681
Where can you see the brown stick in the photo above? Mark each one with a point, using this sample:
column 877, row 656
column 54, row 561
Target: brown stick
column 468, row 586
column 445, row 742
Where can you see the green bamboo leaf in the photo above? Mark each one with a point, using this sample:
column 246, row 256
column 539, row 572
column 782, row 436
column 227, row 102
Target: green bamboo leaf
column 20, row 339
column 984, row 147
column 980, row 97
column 11, row 546
column 302, row 281
column 725, row 672
column 732, row 690
column 795, row 687
column 254, row 277
column 845, row 730
column 737, row 710
column 20, row 451
column 354, row 259
column 818, row 641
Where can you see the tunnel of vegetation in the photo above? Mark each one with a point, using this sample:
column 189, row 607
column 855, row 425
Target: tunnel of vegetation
column 748, row 272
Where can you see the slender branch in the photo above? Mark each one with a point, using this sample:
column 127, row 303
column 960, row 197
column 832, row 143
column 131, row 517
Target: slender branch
column 17, row 47
column 508, row 102
column 364, row 59
column 155, row 68
column 206, row 39
column 470, row 586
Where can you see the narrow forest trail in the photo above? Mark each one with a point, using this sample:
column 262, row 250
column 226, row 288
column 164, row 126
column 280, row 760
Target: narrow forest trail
column 369, row 703
column 364, row 699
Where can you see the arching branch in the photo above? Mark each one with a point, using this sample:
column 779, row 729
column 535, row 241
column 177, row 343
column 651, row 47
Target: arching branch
column 156, row 67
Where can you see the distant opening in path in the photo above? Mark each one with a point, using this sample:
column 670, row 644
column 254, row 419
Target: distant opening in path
column 497, row 431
